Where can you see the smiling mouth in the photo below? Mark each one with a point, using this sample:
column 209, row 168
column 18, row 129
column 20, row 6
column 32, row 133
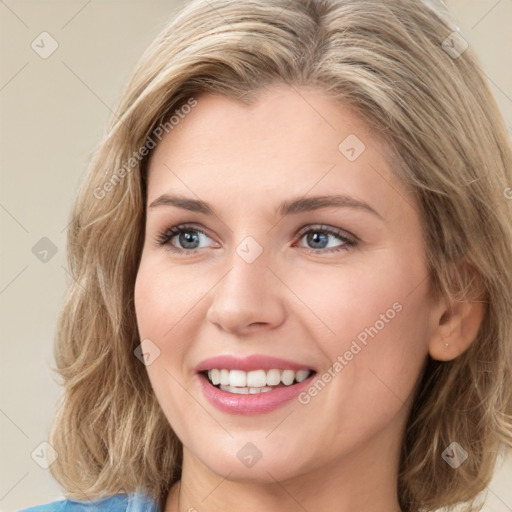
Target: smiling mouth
column 255, row 381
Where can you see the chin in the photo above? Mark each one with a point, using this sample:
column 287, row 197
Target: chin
column 243, row 462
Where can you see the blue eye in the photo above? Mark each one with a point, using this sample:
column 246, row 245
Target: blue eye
column 189, row 237
column 319, row 237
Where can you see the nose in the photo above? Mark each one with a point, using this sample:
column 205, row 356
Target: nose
column 249, row 297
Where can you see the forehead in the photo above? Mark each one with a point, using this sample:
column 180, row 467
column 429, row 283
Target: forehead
column 290, row 142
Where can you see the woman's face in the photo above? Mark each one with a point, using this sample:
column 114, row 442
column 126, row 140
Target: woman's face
column 308, row 251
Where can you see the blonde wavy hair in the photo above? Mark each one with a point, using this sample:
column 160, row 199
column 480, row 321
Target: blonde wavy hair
column 401, row 67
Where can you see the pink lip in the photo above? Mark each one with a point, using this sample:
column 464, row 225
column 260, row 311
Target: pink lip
column 254, row 362
column 259, row 403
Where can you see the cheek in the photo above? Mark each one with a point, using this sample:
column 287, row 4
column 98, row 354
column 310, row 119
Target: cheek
column 158, row 309
column 164, row 295
column 371, row 325
column 383, row 294
column 161, row 313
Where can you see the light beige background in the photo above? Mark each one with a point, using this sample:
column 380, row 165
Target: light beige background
column 52, row 114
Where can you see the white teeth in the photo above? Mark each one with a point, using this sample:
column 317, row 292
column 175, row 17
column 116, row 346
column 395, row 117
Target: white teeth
column 224, row 377
column 238, row 378
column 273, row 377
column 245, row 391
column 214, row 376
column 238, row 390
column 255, row 380
column 287, row 377
column 301, row 375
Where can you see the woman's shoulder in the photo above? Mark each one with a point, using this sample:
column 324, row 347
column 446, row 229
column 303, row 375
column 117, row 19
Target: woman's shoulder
column 132, row 502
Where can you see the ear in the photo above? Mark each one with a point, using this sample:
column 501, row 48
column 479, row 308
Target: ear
column 456, row 325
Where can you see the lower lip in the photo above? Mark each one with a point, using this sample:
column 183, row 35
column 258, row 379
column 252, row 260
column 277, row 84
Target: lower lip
column 258, row 403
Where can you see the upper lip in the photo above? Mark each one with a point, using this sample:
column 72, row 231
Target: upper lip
column 249, row 363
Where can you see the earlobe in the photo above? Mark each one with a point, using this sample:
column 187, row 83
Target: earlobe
column 456, row 329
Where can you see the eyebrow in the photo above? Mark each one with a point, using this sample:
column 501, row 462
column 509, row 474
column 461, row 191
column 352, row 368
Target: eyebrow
column 293, row 206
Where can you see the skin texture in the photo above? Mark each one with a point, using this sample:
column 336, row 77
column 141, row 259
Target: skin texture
column 340, row 451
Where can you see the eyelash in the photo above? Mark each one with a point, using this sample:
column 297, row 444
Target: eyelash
column 165, row 237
